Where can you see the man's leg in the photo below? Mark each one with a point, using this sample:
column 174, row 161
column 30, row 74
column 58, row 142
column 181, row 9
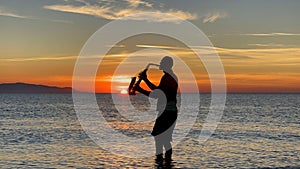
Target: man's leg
column 168, row 148
column 159, row 148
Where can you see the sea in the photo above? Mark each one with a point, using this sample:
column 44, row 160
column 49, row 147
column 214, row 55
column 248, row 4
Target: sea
column 255, row 131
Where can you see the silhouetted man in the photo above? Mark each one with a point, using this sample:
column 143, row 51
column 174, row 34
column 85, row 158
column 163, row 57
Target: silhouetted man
column 166, row 93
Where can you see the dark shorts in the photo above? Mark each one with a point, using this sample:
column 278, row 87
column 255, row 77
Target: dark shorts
column 165, row 124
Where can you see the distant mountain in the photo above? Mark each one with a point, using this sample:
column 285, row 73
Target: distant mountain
column 31, row 88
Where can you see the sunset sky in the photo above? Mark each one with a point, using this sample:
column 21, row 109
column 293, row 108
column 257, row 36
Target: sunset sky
column 257, row 41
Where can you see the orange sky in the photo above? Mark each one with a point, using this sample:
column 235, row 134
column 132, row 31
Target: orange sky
column 259, row 52
column 255, row 70
column 265, row 71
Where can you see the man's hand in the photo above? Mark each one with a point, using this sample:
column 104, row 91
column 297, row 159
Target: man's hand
column 141, row 90
column 143, row 75
column 136, row 88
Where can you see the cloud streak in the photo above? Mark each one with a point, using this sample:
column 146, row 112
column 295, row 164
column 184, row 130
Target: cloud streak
column 136, row 3
column 40, row 59
column 113, row 12
column 11, row 14
column 268, row 45
column 213, row 16
column 272, row 34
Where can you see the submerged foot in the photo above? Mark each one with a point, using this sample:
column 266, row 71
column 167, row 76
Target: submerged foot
column 168, row 155
column 159, row 158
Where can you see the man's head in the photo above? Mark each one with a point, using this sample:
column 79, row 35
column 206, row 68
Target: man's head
column 166, row 63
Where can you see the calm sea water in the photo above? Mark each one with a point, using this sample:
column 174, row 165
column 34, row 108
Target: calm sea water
column 256, row 131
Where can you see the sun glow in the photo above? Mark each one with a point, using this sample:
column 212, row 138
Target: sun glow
column 124, row 91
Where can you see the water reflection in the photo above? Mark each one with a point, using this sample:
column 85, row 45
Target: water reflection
column 164, row 163
column 256, row 131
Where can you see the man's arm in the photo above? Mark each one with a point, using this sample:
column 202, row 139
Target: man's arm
column 141, row 90
column 150, row 85
column 143, row 76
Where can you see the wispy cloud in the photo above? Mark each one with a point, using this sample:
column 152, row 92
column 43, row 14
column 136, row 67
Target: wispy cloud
column 4, row 12
column 111, row 11
column 237, row 54
column 136, row 3
column 39, row 59
column 213, row 16
column 160, row 47
column 158, row 16
column 266, row 57
column 112, row 58
column 87, row 10
column 272, row 34
column 268, row 45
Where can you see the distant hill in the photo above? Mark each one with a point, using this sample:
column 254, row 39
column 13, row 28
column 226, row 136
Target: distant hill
column 31, row 88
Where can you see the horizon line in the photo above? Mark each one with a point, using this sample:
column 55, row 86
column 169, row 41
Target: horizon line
column 203, row 92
